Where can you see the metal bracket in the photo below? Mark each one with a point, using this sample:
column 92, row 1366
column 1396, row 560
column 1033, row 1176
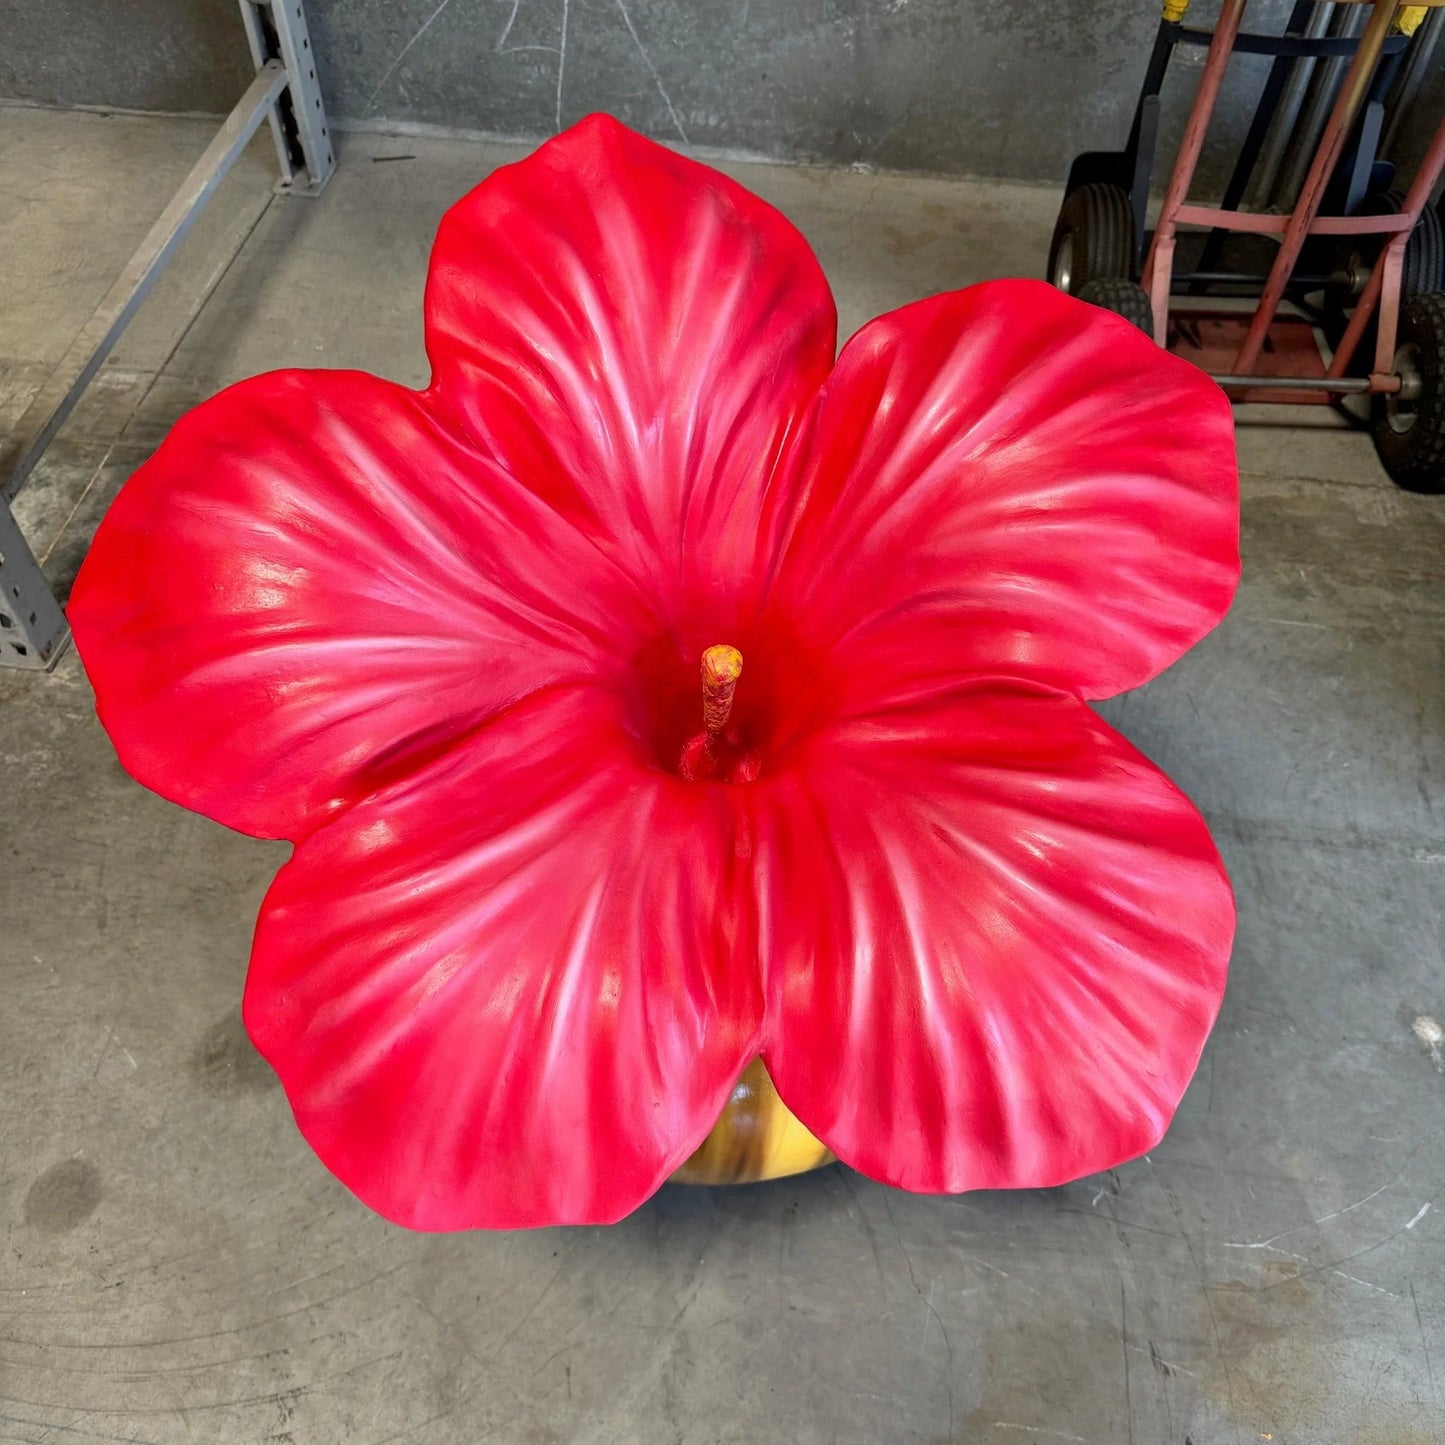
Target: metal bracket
column 285, row 91
column 32, row 626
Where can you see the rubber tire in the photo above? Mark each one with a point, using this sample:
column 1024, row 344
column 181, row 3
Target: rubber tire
column 1100, row 220
column 1424, row 267
column 1415, row 459
column 1124, row 298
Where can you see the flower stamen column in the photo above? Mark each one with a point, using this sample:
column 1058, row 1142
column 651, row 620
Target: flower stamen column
column 719, row 753
column 721, row 667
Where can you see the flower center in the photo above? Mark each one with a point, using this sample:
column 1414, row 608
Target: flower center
column 726, row 713
column 718, row 753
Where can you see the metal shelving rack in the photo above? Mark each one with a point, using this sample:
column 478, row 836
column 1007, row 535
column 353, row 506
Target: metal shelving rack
column 285, row 92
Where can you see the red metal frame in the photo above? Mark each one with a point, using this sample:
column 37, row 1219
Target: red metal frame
column 1382, row 293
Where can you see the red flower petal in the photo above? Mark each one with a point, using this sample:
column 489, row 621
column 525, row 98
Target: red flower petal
column 995, row 938
column 1005, row 481
column 517, row 988
column 633, row 334
column 312, row 584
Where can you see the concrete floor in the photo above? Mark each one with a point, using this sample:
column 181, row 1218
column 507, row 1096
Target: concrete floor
column 176, row 1266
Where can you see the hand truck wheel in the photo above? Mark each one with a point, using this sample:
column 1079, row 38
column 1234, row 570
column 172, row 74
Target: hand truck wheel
column 1124, row 298
column 1093, row 238
column 1424, row 266
column 1409, row 425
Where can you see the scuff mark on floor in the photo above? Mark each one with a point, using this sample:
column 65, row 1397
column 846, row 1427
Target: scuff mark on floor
column 1432, row 1036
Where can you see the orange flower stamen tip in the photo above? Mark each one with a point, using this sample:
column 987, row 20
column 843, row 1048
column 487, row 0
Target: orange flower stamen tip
column 721, row 668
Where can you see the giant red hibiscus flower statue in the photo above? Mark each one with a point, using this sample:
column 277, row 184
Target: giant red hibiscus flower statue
column 550, row 895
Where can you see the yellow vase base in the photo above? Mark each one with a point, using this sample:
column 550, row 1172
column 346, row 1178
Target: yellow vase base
column 758, row 1137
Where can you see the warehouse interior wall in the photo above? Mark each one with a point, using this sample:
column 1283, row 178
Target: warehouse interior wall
column 1008, row 88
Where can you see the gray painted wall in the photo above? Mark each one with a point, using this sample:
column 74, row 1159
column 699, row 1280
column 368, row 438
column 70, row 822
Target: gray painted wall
column 984, row 87
column 136, row 54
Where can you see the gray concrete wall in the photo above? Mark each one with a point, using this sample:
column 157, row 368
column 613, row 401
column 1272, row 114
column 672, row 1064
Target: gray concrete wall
column 168, row 55
column 983, row 87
